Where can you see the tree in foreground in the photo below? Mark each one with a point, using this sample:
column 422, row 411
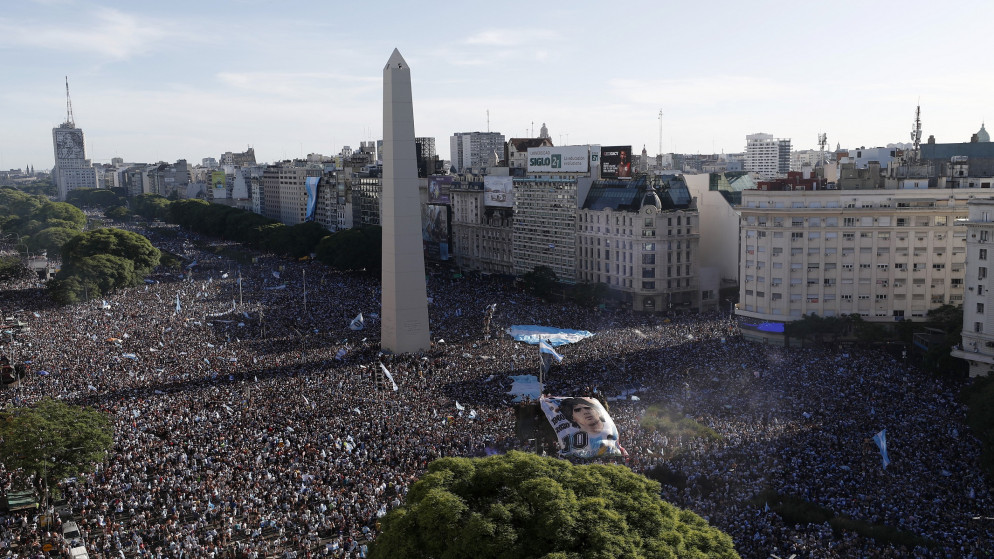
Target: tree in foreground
column 52, row 440
column 524, row 506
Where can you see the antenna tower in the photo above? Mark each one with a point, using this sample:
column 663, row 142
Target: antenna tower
column 916, row 132
column 660, row 152
column 69, row 118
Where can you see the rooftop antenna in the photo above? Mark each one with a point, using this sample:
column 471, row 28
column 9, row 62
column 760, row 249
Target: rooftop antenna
column 916, row 132
column 488, row 121
column 660, row 152
column 69, row 118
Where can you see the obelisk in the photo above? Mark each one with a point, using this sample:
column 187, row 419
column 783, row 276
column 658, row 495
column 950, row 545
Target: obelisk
column 404, row 316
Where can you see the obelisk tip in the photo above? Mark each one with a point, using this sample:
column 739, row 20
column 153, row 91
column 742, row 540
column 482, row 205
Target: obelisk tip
column 396, row 61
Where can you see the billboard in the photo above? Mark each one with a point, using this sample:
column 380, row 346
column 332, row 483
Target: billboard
column 566, row 159
column 438, row 189
column 582, row 426
column 218, row 180
column 498, row 191
column 311, row 185
column 616, row 162
column 435, row 231
column 219, row 183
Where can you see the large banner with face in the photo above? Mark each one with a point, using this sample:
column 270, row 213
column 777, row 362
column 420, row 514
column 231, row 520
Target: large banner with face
column 583, row 427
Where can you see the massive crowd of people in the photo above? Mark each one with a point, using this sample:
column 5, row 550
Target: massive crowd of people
column 248, row 424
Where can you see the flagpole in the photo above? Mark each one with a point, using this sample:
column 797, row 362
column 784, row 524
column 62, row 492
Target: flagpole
column 541, row 369
column 303, row 274
column 239, row 287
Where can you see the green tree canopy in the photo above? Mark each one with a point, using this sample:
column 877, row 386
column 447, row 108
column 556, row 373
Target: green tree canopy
column 94, row 197
column 540, row 280
column 151, row 206
column 62, row 212
column 353, row 249
column 25, row 214
column 53, row 439
column 117, row 213
column 589, row 294
column 100, row 261
column 525, row 506
column 12, row 267
column 52, row 239
column 115, row 242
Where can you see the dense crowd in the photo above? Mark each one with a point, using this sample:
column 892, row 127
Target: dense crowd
column 247, row 425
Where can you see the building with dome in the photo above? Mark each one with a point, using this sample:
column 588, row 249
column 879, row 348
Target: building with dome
column 641, row 238
column 960, row 165
column 982, row 135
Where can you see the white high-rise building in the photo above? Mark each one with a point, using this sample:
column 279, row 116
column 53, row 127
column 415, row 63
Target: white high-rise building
column 767, row 156
column 475, row 149
column 72, row 169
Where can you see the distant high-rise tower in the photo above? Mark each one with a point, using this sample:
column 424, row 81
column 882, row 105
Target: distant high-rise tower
column 404, row 308
column 72, row 169
column 474, row 149
column 767, row 156
column 543, row 132
column 427, row 159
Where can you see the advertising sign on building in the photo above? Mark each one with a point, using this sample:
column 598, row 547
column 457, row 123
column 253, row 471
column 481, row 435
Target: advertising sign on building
column 438, row 189
column 218, row 179
column 311, row 185
column 566, row 159
column 219, row 183
column 498, row 192
column 616, row 162
column 435, row 231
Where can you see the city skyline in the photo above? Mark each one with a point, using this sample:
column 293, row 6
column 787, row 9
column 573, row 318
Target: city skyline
column 188, row 81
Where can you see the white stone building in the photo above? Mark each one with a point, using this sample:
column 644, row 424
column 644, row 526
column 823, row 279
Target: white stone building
column 977, row 347
column 886, row 255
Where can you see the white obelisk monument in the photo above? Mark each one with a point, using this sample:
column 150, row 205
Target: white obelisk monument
column 404, row 316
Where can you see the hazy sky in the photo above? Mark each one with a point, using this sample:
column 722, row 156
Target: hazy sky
column 155, row 81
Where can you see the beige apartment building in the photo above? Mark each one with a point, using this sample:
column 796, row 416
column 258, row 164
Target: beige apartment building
column 884, row 254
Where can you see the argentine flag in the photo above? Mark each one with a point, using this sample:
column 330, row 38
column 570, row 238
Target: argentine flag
column 544, row 347
column 881, row 440
column 546, row 354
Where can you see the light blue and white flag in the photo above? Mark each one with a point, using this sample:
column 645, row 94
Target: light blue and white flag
column 178, row 306
column 544, row 347
column 881, row 440
column 546, row 354
column 389, row 376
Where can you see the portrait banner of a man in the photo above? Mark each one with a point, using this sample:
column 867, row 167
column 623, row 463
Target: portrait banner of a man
column 583, row 427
